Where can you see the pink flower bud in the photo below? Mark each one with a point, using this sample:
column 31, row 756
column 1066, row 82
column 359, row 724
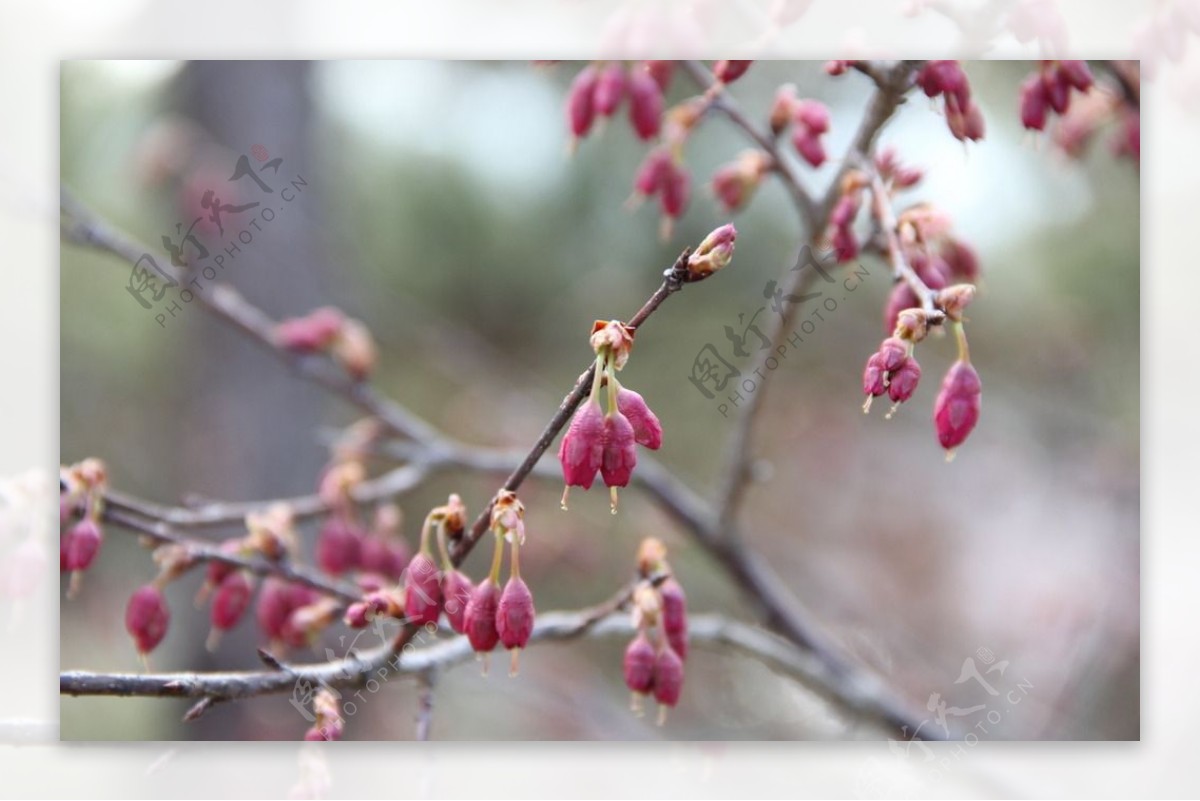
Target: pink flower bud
column 1057, row 90
column 844, row 243
column 844, row 211
column 582, row 450
column 354, row 349
column 422, row 591
column 813, row 115
column 581, row 110
column 652, row 172
column 783, row 108
column 901, row 297
column 1077, row 74
column 934, row 272
column 945, row 78
column 661, row 72
column 1033, row 103
column 620, row 450
column 231, row 600
column 874, row 381
column 836, row 68
column 645, row 105
column 638, row 665
column 338, row 546
column 456, row 594
column 379, row 602
column 903, row 381
column 647, row 431
column 275, row 603
column 892, row 353
column 82, row 544
column 674, row 616
column 730, row 187
column 515, row 614
column 311, row 333
column 386, row 557
column 809, row 146
column 957, row 407
column 676, row 190
column 147, row 617
column 967, row 124
column 610, row 90
column 960, row 259
column 668, row 677
column 713, row 253
column 730, row 71
column 479, row 619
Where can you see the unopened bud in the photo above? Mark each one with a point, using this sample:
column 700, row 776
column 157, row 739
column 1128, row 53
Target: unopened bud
column 714, row 252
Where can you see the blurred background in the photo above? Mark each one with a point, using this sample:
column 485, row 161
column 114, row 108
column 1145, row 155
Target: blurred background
column 440, row 207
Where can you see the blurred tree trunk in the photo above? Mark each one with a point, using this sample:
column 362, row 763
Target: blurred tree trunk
column 248, row 429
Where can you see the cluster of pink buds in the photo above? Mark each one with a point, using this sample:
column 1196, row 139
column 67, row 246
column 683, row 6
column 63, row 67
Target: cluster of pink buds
column 494, row 616
column 1049, row 90
column 327, row 330
column 926, row 259
column 599, row 89
column 654, row 659
column 328, row 723
column 663, row 174
column 428, row 591
column 605, row 443
column 809, row 120
column 80, row 504
column 893, row 368
column 947, row 79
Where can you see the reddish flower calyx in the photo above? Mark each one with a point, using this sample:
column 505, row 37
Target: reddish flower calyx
column 581, row 452
column 479, row 618
column 456, row 594
column 422, row 591
column 647, row 431
column 956, row 410
column 581, row 109
column 645, row 104
column 514, row 618
column 230, row 603
column 147, row 618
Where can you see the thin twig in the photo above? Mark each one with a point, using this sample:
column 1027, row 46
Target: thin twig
column 203, row 552
column 901, row 269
